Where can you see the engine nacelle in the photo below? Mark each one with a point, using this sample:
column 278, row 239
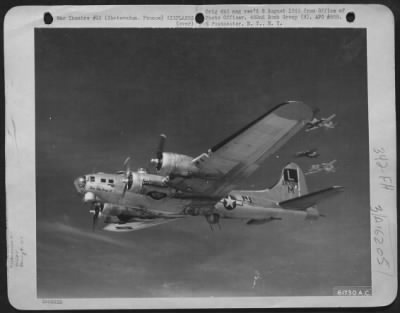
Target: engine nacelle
column 136, row 183
column 177, row 164
column 89, row 197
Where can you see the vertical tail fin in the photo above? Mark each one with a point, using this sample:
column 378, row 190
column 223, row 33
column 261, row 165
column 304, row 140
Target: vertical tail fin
column 291, row 184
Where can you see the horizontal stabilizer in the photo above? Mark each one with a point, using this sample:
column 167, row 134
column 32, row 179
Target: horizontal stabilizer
column 310, row 199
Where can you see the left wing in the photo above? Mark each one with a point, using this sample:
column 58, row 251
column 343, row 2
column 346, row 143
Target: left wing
column 136, row 224
column 241, row 154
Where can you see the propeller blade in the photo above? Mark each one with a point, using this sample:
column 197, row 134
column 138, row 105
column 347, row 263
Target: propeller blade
column 96, row 209
column 128, row 176
column 161, row 145
column 95, row 216
column 125, row 189
column 127, row 164
column 157, row 162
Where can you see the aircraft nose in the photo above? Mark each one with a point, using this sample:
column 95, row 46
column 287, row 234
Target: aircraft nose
column 80, row 184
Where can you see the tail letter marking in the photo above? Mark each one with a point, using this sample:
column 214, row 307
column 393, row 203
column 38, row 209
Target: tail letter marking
column 291, row 179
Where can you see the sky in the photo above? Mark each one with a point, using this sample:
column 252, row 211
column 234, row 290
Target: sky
column 105, row 94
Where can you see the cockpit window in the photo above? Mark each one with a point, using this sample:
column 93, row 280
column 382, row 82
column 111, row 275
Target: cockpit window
column 92, row 178
column 103, row 180
column 111, row 181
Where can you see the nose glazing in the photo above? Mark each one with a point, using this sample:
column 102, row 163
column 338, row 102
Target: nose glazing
column 80, row 184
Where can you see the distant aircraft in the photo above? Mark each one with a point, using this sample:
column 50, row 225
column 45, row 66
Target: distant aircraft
column 204, row 186
column 312, row 153
column 321, row 122
column 257, row 276
column 328, row 167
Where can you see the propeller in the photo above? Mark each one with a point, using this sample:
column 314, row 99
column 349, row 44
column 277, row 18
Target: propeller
column 159, row 153
column 128, row 176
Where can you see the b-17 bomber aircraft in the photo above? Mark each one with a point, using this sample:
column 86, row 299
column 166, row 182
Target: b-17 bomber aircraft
column 183, row 186
column 328, row 167
column 312, row 153
column 316, row 123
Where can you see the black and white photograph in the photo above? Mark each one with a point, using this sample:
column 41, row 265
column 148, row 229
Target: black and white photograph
column 202, row 163
column 215, row 96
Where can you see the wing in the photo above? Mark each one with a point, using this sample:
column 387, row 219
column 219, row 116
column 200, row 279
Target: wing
column 137, row 224
column 330, row 163
column 328, row 119
column 241, row 154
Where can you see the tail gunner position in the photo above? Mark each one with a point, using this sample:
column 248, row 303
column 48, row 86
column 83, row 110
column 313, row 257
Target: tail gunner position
column 204, row 186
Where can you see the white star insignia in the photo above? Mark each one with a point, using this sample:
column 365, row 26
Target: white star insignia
column 229, row 202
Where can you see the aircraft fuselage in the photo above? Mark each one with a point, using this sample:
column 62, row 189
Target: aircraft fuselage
column 109, row 188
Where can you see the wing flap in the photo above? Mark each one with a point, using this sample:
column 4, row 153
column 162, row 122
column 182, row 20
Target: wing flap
column 311, row 199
